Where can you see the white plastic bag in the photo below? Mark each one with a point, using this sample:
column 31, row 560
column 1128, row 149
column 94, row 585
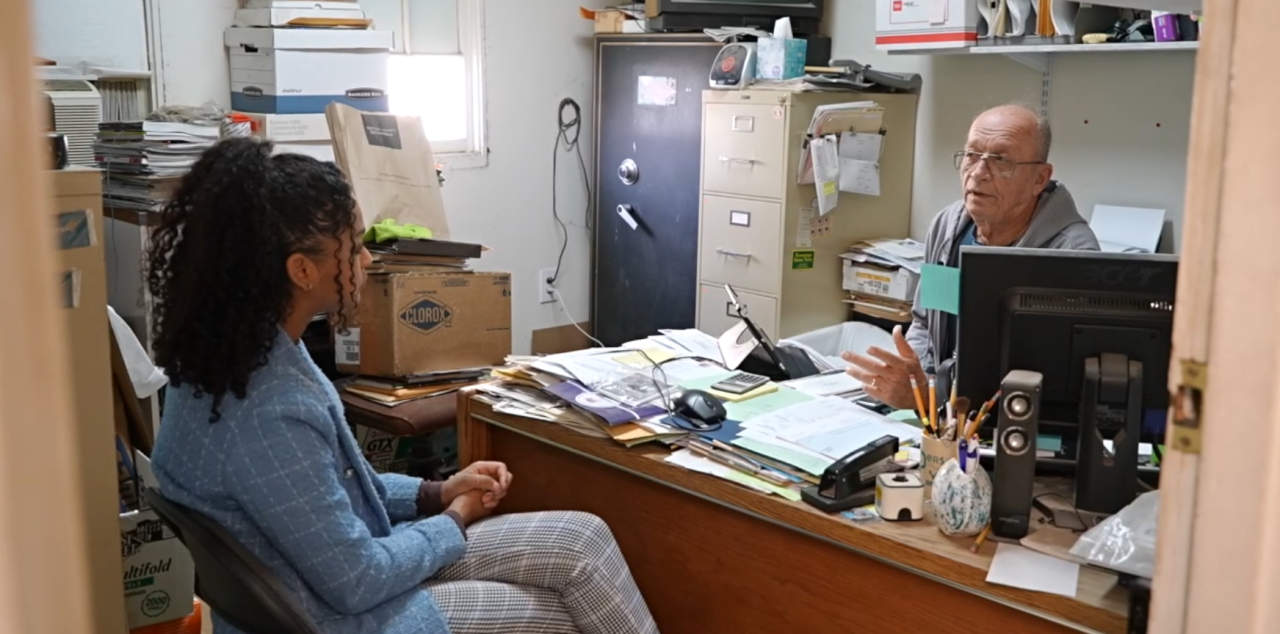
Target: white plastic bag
column 1126, row 541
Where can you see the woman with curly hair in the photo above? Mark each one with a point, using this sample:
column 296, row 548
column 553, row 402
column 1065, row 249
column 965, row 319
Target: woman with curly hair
column 253, row 436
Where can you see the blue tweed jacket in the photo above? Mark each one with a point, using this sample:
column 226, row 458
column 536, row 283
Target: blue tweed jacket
column 282, row 472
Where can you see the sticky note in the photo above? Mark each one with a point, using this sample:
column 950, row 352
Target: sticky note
column 1048, row 443
column 940, row 288
column 801, row 260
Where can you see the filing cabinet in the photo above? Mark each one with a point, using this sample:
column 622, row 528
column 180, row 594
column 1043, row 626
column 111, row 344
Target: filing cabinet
column 759, row 231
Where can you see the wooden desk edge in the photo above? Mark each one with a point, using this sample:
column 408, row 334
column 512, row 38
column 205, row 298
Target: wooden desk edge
column 476, row 417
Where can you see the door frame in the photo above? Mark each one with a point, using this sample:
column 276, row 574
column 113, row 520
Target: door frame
column 44, row 559
column 1218, row 557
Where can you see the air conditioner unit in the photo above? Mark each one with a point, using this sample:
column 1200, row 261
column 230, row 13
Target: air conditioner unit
column 77, row 111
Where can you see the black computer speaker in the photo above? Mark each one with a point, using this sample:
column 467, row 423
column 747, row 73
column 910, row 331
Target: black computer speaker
column 1015, row 472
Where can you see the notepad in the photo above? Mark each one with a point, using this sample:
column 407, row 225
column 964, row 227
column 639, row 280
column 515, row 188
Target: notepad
column 1020, row 567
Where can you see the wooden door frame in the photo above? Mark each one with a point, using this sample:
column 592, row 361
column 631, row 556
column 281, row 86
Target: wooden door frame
column 1218, row 561
column 44, row 569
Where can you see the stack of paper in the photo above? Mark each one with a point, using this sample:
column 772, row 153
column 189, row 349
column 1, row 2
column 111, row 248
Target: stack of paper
column 881, row 277
column 845, row 142
column 1127, row 229
column 143, row 161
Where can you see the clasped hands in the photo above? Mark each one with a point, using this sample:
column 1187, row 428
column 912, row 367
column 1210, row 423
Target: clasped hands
column 475, row 491
column 886, row 376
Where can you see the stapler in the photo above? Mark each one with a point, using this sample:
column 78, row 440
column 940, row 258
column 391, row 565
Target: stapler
column 851, row 481
column 862, row 74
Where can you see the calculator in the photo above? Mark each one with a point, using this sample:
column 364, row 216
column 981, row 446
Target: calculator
column 740, row 383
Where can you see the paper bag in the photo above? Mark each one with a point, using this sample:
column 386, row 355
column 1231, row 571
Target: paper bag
column 389, row 163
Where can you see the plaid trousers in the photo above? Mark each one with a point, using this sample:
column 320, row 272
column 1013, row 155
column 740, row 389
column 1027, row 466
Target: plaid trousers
column 541, row 573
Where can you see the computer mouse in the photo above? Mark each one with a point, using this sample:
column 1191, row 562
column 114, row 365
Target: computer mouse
column 700, row 407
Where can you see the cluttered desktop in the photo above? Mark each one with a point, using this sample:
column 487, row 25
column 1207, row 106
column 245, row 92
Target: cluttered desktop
column 1042, row 446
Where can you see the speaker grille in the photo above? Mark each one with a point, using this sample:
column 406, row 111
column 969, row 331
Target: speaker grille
column 1092, row 304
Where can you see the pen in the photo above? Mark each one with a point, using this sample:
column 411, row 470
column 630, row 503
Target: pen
column 915, row 389
column 933, row 404
column 982, row 537
column 984, row 412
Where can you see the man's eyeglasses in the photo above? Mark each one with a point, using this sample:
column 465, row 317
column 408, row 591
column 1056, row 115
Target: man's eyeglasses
column 999, row 164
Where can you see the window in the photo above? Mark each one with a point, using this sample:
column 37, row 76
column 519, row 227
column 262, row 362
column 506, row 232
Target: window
column 435, row 71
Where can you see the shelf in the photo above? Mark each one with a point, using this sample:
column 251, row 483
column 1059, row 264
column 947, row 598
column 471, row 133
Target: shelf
column 1036, row 56
column 1172, row 6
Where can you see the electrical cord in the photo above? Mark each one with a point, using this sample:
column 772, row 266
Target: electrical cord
column 569, row 131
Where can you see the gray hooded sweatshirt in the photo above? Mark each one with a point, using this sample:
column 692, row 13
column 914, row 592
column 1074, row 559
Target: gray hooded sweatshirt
column 1056, row 225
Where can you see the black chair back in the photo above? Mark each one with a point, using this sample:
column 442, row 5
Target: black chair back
column 229, row 578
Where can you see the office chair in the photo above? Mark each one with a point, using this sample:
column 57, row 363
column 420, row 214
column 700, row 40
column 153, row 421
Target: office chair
column 230, row 579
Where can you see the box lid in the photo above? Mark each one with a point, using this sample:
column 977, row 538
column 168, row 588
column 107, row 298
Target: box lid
column 308, row 39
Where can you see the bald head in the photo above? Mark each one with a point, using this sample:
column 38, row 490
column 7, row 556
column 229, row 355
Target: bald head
column 1028, row 128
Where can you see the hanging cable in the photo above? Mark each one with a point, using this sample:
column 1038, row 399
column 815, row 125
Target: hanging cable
column 569, row 131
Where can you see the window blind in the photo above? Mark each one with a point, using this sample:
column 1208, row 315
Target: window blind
column 422, row 27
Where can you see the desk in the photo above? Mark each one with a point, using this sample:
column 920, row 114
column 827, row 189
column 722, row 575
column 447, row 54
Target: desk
column 710, row 556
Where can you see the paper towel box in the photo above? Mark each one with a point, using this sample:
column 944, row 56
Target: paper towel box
column 159, row 576
column 904, row 25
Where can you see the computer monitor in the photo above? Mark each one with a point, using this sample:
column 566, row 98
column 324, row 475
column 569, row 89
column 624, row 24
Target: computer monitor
column 1066, row 315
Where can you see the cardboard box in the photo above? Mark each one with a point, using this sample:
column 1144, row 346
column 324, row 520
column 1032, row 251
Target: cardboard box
column 337, row 5
column 282, row 17
column 290, row 128
column 159, row 577
column 878, row 281
column 302, row 71
column 780, row 58
column 614, row 21
column 319, row 150
column 414, row 323
column 385, row 452
column 903, row 25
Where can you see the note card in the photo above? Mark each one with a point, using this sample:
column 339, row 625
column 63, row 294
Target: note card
column 861, row 146
column 1020, row 567
column 940, row 288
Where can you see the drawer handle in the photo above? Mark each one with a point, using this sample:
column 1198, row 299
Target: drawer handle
column 733, row 254
column 730, row 159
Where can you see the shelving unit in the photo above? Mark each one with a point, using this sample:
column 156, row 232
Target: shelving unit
column 1036, row 56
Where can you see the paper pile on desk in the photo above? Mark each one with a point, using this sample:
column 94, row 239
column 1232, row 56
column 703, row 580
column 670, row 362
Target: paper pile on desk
column 882, row 275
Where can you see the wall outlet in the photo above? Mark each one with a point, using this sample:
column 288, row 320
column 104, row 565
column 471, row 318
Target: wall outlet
column 545, row 294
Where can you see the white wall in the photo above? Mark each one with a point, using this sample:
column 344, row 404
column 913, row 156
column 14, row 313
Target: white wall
column 536, row 55
column 1120, row 120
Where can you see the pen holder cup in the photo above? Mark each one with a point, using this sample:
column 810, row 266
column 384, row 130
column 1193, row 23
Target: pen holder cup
column 961, row 502
column 933, row 454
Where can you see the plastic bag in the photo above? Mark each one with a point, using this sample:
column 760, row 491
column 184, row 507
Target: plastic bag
column 1126, row 541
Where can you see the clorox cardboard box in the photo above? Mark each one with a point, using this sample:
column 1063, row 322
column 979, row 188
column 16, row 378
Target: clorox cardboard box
column 417, row 323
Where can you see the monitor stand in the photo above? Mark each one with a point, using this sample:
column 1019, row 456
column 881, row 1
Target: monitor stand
column 1111, row 410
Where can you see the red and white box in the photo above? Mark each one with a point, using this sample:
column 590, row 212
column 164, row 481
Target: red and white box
column 906, row 25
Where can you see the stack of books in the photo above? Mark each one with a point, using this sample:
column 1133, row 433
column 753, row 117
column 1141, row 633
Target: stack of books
column 144, row 161
column 422, row 256
column 392, row 392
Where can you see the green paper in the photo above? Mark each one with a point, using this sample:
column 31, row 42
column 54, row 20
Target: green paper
column 801, row 260
column 1049, row 443
column 802, row 461
column 754, row 482
column 940, row 288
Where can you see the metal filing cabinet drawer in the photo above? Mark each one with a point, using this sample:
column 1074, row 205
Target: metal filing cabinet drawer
column 740, row 243
column 715, row 315
column 743, row 151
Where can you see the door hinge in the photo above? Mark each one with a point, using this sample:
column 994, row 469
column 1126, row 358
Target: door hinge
column 1188, row 407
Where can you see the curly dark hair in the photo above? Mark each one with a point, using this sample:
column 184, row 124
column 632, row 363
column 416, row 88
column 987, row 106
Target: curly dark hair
column 216, row 264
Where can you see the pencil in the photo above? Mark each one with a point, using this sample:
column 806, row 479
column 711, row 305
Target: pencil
column 982, row 537
column 982, row 413
column 933, row 401
column 915, row 389
column 951, row 402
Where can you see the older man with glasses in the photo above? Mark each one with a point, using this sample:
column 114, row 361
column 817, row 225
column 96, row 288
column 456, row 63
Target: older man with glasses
column 1010, row 199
